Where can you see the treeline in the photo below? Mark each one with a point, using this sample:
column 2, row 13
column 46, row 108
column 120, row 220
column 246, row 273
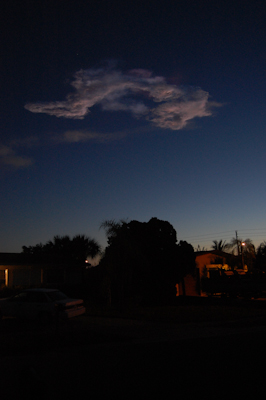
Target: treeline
column 63, row 250
column 142, row 262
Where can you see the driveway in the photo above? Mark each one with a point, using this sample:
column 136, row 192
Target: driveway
column 116, row 358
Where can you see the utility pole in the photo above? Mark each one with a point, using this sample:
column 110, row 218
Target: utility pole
column 237, row 242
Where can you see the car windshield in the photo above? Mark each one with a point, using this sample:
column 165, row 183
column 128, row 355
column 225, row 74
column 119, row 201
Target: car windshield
column 21, row 297
column 54, row 296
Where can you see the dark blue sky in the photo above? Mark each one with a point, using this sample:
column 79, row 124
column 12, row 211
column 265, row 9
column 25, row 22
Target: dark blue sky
column 114, row 109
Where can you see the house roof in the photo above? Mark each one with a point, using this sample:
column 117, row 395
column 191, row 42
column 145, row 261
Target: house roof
column 215, row 252
column 228, row 257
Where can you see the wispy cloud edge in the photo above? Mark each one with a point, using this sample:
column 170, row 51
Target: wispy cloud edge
column 137, row 91
column 10, row 158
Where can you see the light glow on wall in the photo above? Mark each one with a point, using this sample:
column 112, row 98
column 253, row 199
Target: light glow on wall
column 6, row 277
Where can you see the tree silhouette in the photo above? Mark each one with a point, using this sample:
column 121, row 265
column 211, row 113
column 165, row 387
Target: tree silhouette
column 221, row 245
column 236, row 244
column 261, row 257
column 244, row 249
column 63, row 250
column 143, row 260
column 199, row 248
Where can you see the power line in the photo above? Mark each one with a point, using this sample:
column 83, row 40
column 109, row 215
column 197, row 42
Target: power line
column 258, row 234
column 222, row 233
column 207, row 234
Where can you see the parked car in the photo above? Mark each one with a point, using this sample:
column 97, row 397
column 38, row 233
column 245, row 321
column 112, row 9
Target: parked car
column 42, row 304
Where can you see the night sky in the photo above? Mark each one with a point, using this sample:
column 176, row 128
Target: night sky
column 132, row 110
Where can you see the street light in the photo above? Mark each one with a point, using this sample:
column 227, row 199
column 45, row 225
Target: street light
column 242, row 253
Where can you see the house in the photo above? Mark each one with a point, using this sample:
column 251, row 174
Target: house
column 17, row 269
column 209, row 261
column 208, row 264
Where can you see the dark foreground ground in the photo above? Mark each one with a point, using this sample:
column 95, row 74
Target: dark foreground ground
column 94, row 357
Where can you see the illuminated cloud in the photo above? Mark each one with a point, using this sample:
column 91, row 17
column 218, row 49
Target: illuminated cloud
column 81, row 136
column 137, row 91
column 175, row 114
column 9, row 157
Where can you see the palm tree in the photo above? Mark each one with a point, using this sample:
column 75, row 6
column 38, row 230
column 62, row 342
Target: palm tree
column 221, row 245
column 245, row 249
column 238, row 246
column 112, row 228
column 64, row 250
column 84, row 246
column 199, row 248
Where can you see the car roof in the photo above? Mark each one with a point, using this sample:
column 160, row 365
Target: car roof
column 40, row 290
